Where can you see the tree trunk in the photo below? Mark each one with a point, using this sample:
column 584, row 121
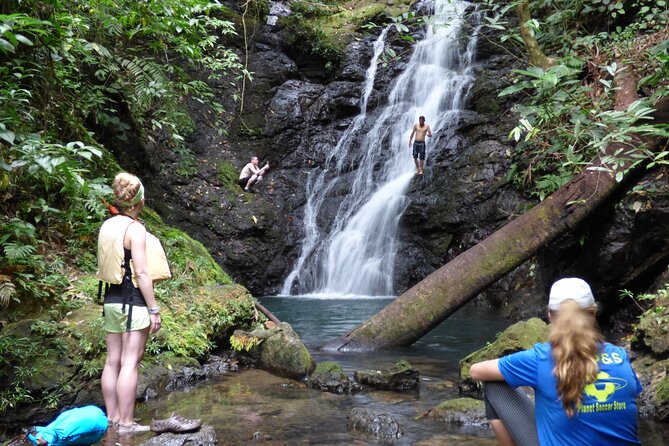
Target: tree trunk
column 428, row 303
column 536, row 56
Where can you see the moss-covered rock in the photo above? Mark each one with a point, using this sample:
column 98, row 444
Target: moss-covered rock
column 519, row 336
column 652, row 332
column 330, row 377
column 661, row 397
column 459, row 411
column 400, row 376
column 279, row 350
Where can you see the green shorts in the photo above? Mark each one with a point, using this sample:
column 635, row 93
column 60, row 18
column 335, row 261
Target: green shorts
column 116, row 321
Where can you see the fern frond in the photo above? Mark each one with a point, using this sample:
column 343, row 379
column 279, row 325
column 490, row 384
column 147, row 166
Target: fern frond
column 16, row 251
column 7, row 292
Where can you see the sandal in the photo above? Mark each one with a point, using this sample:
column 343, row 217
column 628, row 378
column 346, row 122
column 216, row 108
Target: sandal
column 175, row 423
column 132, row 428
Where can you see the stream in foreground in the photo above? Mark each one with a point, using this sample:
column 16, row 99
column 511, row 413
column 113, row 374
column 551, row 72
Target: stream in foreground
column 243, row 403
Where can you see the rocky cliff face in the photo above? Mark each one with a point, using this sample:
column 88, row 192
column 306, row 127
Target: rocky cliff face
column 293, row 117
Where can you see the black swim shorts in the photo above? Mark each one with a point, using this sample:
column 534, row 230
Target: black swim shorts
column 419, row 149
column 242, row 181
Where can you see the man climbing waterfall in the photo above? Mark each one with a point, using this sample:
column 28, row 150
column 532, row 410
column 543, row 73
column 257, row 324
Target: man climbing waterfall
column 251, row 174
column 420, row 130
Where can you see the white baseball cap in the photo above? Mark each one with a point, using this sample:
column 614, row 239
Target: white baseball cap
column 570, row 288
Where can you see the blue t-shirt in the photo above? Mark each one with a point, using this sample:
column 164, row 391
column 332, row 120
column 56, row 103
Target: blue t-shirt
column 607, row 414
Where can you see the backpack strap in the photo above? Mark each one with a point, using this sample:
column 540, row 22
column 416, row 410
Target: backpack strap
column 100, row 299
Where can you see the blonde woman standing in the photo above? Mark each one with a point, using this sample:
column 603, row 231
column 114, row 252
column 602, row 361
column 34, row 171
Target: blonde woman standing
column 130, row 309
column 585, row 388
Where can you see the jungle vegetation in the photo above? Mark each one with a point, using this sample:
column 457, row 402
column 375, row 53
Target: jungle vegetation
column 69, row 68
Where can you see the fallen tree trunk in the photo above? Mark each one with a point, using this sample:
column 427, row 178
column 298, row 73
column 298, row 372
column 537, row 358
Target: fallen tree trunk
column 428, row 303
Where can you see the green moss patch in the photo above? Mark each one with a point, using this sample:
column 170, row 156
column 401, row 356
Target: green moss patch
column 520, row 336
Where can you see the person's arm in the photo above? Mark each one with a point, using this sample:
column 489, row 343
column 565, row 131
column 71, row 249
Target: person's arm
column 517, row 369
column 413, row 131
column 429, row 131
column 486, row 371
column 265, row 168
column 137, row 236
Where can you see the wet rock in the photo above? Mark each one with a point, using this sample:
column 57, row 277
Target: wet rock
column 652, row 332
column 205, row 436
column 661, row 398
column 356, row 60
column 401, row 376
column 280, row 351
column 379, row 425
column 519, row 336
column 459, row 411
column 292, row 105
column 330, row 377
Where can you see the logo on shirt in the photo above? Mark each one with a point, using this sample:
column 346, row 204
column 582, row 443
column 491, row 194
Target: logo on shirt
column 604, row 387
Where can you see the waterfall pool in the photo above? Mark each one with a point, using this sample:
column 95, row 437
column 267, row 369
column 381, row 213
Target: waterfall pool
column 241, row 404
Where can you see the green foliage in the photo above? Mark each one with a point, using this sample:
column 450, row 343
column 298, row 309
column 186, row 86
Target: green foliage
column 646, row 301
column 244, row 343
column 187, row 333
column 313, row 9
column 313, row 42
column 227, row 174
column 566, row 114
column 68, row 69
column 19, row 359
column 74, row 63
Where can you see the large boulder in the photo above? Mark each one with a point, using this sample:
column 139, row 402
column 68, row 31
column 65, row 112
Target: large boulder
column 279, row 350
column 520, row 336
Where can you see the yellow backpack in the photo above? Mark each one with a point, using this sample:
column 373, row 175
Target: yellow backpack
column 111, row 256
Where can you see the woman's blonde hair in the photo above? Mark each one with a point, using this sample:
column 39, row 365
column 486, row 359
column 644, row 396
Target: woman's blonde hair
column 126, row 187
column 575, row 340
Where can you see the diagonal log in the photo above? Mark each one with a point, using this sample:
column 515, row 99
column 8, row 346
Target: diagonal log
column 428, row 303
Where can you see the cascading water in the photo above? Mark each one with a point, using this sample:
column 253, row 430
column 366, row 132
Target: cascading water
column 356, row 256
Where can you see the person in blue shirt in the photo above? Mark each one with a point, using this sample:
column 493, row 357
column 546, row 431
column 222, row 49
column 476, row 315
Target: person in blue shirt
column 585, row 388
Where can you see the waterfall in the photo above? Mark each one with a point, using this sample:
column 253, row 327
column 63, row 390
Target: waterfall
column 372, row 163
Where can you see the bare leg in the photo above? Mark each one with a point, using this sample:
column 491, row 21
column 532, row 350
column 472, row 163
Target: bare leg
column 503, row 436
column 134, row 343
column 421, row 167
column 253, row 180
column 415, row 161
column 110, row 375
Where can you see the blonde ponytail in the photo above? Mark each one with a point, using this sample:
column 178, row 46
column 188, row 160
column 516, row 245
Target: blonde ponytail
column 574, row 339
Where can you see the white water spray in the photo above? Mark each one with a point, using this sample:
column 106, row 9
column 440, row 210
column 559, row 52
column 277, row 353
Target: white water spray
column 356, row 256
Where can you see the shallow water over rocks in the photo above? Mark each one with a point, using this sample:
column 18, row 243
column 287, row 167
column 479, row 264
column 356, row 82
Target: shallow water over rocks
column 252, row 403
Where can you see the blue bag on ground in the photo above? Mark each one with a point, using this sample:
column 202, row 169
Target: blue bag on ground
column 81, row 426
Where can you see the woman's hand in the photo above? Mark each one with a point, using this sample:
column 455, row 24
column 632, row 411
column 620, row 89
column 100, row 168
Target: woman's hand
column 155, row 322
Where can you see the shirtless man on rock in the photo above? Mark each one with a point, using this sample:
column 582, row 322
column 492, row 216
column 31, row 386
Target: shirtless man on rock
column 420, row 130
column 251, row 174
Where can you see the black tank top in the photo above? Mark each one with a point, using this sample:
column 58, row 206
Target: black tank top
column 126, row 292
